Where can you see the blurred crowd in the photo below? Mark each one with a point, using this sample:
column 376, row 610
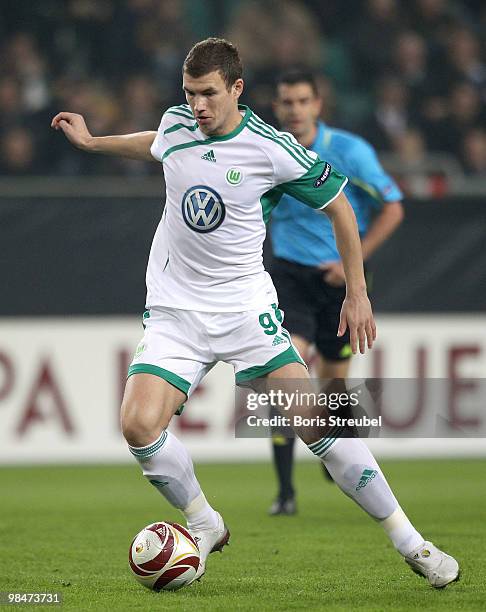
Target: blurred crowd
column 410, row 76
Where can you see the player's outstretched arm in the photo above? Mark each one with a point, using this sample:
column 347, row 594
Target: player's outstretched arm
column 356, row 311
column 133, row 146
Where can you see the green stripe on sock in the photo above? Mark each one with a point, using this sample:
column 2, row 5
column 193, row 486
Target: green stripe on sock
column 316, row 445
column 322, row 446
column 145, row 452
column 330, row 442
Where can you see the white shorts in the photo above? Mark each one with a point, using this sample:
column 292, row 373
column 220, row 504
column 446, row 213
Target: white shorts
column 181, row 346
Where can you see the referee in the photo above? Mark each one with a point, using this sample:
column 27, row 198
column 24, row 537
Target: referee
column 307, row 271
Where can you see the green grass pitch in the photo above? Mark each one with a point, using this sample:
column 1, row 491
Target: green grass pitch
column 68, row 529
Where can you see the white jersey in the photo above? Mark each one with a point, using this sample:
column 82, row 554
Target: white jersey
column 207, row 252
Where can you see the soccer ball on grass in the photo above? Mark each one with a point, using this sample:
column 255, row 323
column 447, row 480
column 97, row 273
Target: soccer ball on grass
column 164, row 556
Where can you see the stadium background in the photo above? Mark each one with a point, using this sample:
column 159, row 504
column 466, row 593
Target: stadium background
column 76, row 229
column 75, row 232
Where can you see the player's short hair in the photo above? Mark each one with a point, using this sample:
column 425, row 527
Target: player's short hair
column 297, row 76
column 214, row 54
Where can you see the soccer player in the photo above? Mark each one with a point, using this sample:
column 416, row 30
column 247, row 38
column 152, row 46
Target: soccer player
column 307, row 269
column 209, row 298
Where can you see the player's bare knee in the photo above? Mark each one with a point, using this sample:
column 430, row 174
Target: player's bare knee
column 139, row 433
column 142, row 425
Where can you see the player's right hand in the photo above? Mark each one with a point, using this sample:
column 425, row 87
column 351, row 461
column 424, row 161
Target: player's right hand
column 74, row 128
column 357, row 316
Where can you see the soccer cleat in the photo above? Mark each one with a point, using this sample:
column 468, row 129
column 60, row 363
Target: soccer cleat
column 208, row 541
column 439, row 569
column 288, row 507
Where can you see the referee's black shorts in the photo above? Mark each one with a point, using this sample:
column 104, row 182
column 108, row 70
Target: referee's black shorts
column 312, row 307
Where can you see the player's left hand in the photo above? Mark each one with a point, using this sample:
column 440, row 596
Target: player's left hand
column 334, row 273
column 356, row 314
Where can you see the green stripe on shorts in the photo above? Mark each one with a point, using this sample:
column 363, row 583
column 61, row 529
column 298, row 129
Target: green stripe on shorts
column 288, row 356
column 146, row 368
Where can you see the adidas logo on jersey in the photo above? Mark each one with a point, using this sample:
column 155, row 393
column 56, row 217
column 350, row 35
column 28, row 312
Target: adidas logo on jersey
column 209, row 156
column 278, row 340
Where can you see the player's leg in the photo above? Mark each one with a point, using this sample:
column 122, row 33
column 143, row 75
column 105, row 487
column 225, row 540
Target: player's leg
column 156, row 389
column 330, row 369
column 148, row 406
column 283, row 454
column 264, row 364
column 294, row 287
column 356, row 472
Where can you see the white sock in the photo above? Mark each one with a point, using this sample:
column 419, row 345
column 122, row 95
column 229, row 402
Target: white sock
column 356, row 472
column 401, row 532
column 199, row 514
column 168, row 466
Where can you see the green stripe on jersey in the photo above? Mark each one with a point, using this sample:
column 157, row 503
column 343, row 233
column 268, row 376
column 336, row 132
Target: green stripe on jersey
column 179, row 126
column 297, row 147
column 182, row 107
column 290, row 146
column 257, row 130
column 180, row 114
column 269, row 200
column 184, row 145
column 211, row 139
column 304, row 188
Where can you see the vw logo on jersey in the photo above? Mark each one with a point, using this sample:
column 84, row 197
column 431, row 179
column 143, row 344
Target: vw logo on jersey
column 202, row 209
